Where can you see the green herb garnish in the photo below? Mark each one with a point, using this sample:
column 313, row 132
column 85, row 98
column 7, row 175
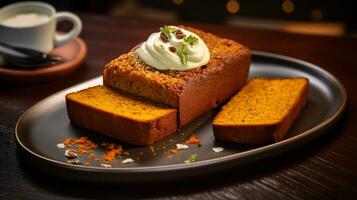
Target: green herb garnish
column 182, row 54
column 191, row 40
column 192, row 158
column 167, row 30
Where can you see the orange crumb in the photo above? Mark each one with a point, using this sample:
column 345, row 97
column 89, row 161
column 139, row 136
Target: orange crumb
column 172, row 153
column 81, row 140
column 85, row 146
column 82, row 149
column 82, row 145
column 86, row 142
column 90, row 155
column 68, row 142
column 193, row 140
column 112, row 152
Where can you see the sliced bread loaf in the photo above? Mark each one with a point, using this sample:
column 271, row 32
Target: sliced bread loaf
column 119, row 115
column 192, row 92
column 262, row 111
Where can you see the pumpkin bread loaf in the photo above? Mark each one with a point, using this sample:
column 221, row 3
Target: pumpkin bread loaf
column 120, row 115
column 262, row 112
column 192, row 92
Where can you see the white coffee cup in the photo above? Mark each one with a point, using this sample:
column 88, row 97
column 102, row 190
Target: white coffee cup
column 41, row 37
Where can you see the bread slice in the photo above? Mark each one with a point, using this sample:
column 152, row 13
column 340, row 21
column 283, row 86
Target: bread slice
column 262, row 112
column 192, row 92
column 119, row 115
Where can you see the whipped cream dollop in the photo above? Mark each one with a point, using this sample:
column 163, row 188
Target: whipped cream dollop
column 174, row 48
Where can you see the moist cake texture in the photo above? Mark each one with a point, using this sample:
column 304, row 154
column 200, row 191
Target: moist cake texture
column 262, row 111
column 120, row 115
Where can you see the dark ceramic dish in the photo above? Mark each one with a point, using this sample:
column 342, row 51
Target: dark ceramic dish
column 46, row 124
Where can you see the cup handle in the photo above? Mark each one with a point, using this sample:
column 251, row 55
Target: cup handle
column 61, row 39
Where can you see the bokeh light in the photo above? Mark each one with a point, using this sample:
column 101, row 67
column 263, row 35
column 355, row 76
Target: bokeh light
column 233, row 6
column 288, row 6
column 178, row 2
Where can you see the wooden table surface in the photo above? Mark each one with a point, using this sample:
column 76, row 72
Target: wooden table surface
column 325, row 168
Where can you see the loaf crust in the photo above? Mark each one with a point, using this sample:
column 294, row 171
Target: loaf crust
column 192, row 92
column 128, row 129
column 260, row 132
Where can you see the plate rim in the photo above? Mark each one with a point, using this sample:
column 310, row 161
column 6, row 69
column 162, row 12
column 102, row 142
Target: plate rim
column 278, row 146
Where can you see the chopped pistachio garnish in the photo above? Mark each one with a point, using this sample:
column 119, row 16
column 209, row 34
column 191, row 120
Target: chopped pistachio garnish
column 167, row 31
column 192, row 158
column 182, row 54
column 182, row 50
column 191, row 40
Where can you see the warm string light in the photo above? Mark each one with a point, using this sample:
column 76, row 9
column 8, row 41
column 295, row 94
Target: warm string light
column 288, row 6
column 232, row 6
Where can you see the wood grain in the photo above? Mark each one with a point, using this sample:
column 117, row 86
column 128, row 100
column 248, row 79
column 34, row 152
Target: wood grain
column 325, row 168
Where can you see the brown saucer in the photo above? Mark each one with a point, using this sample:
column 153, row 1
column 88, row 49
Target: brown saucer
column 72, row 53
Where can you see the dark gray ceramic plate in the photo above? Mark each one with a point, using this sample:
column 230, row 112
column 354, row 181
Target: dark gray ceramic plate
column 46, row 124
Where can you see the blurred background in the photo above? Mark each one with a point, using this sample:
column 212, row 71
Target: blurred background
column 319, row 17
